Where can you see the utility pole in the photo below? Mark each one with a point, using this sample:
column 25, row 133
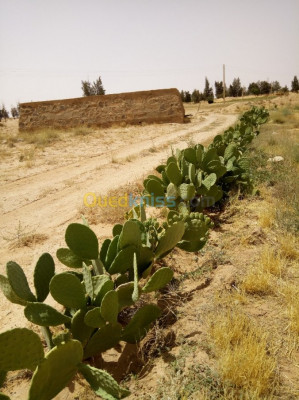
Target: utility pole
column 223, row 82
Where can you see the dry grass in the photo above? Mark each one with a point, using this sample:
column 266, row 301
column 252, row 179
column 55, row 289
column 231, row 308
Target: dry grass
column 246, row 360
column 23, row 237
column 42, row 138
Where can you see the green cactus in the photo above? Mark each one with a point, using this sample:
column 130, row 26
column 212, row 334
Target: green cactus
column 43, row 273
column 9, row 293
column 103, row 251
column 154, row 188
column 102, row 383
column 174, row 174
column 88, row 282
column 158, row 280
column 44, row 315
column 105, row 338
column 80, row 330
column 103, row 285
column 123, row 261
column 125, row 293
column 170, row 238
column 94, row 319
column 67, row 290
column 209, row 181
column 112, row 251
column 190, row 155
column 56, row 370
column 140, row 323
column 187, row 191
column 20, row 348
column 116, row 231
column 135, row 294
column 172, row 191
column 130, row 235
column 18, row 281
column 109, row 307
column 82, row 241
column 68, row 258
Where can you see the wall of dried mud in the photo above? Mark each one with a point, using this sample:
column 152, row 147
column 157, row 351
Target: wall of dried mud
column 154, row 106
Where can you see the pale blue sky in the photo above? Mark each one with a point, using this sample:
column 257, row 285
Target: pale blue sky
column 48, row 47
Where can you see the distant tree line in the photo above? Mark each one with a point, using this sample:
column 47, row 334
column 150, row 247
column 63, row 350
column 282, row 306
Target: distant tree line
column 236, row 89
column 15, row 112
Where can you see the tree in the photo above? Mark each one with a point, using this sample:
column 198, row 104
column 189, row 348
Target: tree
column 3, row 113
column 275, row 86
column 235, row 89
column 93, row 89
column 208, row 91
column 187, row 97
column 182, row 94
column 196, row 96
column 253, row 88
column 14, row 112
column 219, row 89
column 295, row 84
column 285, row 89
column 265, row 87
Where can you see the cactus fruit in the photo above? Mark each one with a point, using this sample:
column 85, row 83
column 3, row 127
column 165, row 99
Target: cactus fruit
column 18, row 281
column 20, row 348
column 56, row 370
column 44, row 315
column 109, row 307
column 170, row 238
column 158, row 280
column 82, row 241
column 43, row 273
column 102, row 383
column 67, row 290
column 139, row 324
column 105, row 338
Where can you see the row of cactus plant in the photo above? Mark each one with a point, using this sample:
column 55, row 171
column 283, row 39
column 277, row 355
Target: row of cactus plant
column 199, row 176
column 104, row 280
column 100, row 284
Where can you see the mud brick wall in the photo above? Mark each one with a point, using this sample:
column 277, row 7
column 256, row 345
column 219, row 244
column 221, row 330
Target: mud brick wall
column 154, row 106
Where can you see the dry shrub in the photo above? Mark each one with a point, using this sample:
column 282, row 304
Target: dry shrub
column 246, row 360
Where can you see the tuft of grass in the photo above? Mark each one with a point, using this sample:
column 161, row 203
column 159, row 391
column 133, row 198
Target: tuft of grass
column 23, row 237
column 41, row 138
column 246, row 360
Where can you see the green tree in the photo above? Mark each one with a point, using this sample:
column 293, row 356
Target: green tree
column 218, row 89
column 254, row 88
column 187, row 97
column 14, row 112
column 208, row 91
column 235, row 89
column 196, row 96
column 3, row 113
column 275, row 86
column 295, row 84
column 265, row 87
column 93, row 89
column 182, row 94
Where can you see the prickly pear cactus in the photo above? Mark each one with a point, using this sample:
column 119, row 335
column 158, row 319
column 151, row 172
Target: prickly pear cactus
column 44, row 315
column 20, row 348
column 67, row 290
column 56, row 370
column 43, row 273
column 18, row 281
column 105, row 338
column 158, row 280
column 82, row 241
column 102, row 383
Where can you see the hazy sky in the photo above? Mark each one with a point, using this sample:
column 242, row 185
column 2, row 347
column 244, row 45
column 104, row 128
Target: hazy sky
column 48, row 47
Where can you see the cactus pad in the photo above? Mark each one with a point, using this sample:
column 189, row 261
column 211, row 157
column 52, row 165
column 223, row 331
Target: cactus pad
column 105, row 338
column 43, row 273
column 79, row 329
column 43, row 315
column 139, row 324
column 68, row 258
column 20, row 348
column 130, row 235
column 124, row 293
column 173, row 173
column 18, row 281
column 67, row 290
column 172, row 236
column 94, row 319
column 159, row 279
column 56, row 370
column 109, row 307
column 102, row 383
column 9, row 293
column 82, row 241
